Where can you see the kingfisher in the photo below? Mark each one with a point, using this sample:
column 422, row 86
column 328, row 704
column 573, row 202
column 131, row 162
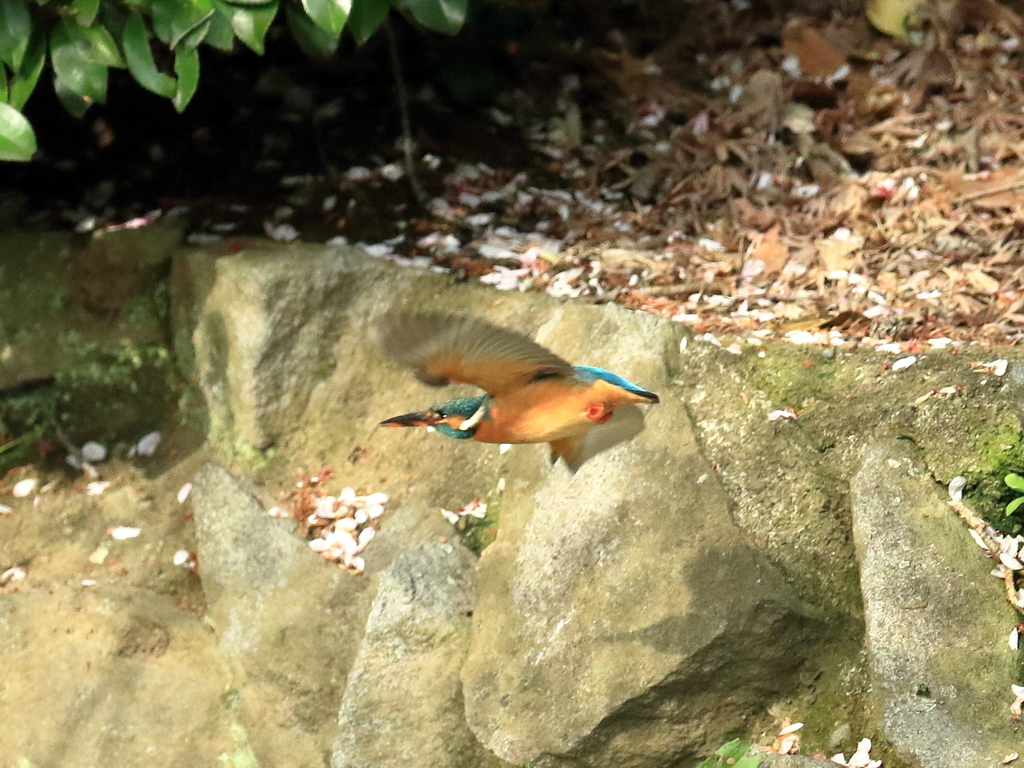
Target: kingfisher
column 531, row 394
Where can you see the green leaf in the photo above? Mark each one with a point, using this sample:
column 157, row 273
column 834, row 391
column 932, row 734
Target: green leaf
column 732, row 749
column 220, row 34
column 15, row 27
column 24, row 80
column 313, row 40
column 329, row 15
column 1015, row 481
column 366, row 17
column 186, row 67
column 80, row 59
column 85, row 11
column 1014, row 505
column 748, row 761
column 181, row 22
column 76, row 104
column 135, row 40
column 3, row 85
column 17, row 139
column 250, row 22
column 192, row 36
column 446, row 16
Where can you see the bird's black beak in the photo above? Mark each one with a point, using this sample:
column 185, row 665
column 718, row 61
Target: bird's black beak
column 419, row 419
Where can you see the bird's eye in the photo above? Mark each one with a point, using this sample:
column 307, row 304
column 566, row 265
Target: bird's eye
column 441, row 414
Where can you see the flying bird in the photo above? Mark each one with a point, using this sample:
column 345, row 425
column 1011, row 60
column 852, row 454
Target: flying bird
column 532, row 395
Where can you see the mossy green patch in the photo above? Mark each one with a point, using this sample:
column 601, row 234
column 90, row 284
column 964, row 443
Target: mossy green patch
column 477, row 533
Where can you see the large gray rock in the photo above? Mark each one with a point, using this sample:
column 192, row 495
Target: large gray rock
column 403, row 701
column 288, row 622
column 936, row 632
column 622, row 619
column 263, row 331
column 629, row 615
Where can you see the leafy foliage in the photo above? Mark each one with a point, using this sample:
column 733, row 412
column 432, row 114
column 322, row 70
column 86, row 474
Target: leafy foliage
column 1016, row 482
column 83, row 39
column 733, row 754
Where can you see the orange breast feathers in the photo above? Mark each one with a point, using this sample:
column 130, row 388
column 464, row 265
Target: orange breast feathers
column 551, row 409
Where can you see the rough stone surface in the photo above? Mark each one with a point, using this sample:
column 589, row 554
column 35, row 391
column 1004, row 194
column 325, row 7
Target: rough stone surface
column 265, row 331
column 699, row 579
column 106, row 659
column 82, row 331
column 110, row 677
column 403, row 701
column 622, row 619
column 60, row 302
column 935, row 636
column 289, row 624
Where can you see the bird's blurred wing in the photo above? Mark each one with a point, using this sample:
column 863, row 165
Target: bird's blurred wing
column 626, row 422
column 446, row 348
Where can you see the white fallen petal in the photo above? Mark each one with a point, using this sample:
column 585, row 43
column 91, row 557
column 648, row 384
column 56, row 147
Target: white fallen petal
column 123, row 532
column 997, row 367
column 838, row 758
column 956, row 487
column 376, row 498
column 1011, row 562
column 365, row 535
column 5, row 510
column 1009, row 546
column 451, row 517
column 1018, row 690
column 277, row 512
column 346, row 524
column 504, row 447
column 325, row 508
column 99, row 555
column 181, row 557
column 347, row 497
column 17, row 573
column 999, row 571
column 148, row 443
column 184, row 491
column 977, row 538
column 1014, row 638
column 789, row 745
column 93, row 451
column 357, row 564
column 374, row 511
column 360, row 516
column 791, row 729
column 319, row 545
column 96, row 487
column 787, row 413
column 89, row 582
column 904, row 362
column 346, row 541
column 23, row 488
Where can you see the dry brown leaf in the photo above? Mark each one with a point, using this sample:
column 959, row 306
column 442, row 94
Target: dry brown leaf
column 981, row 281
column 838, row 251
column 769, row 250
column 817, row 57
